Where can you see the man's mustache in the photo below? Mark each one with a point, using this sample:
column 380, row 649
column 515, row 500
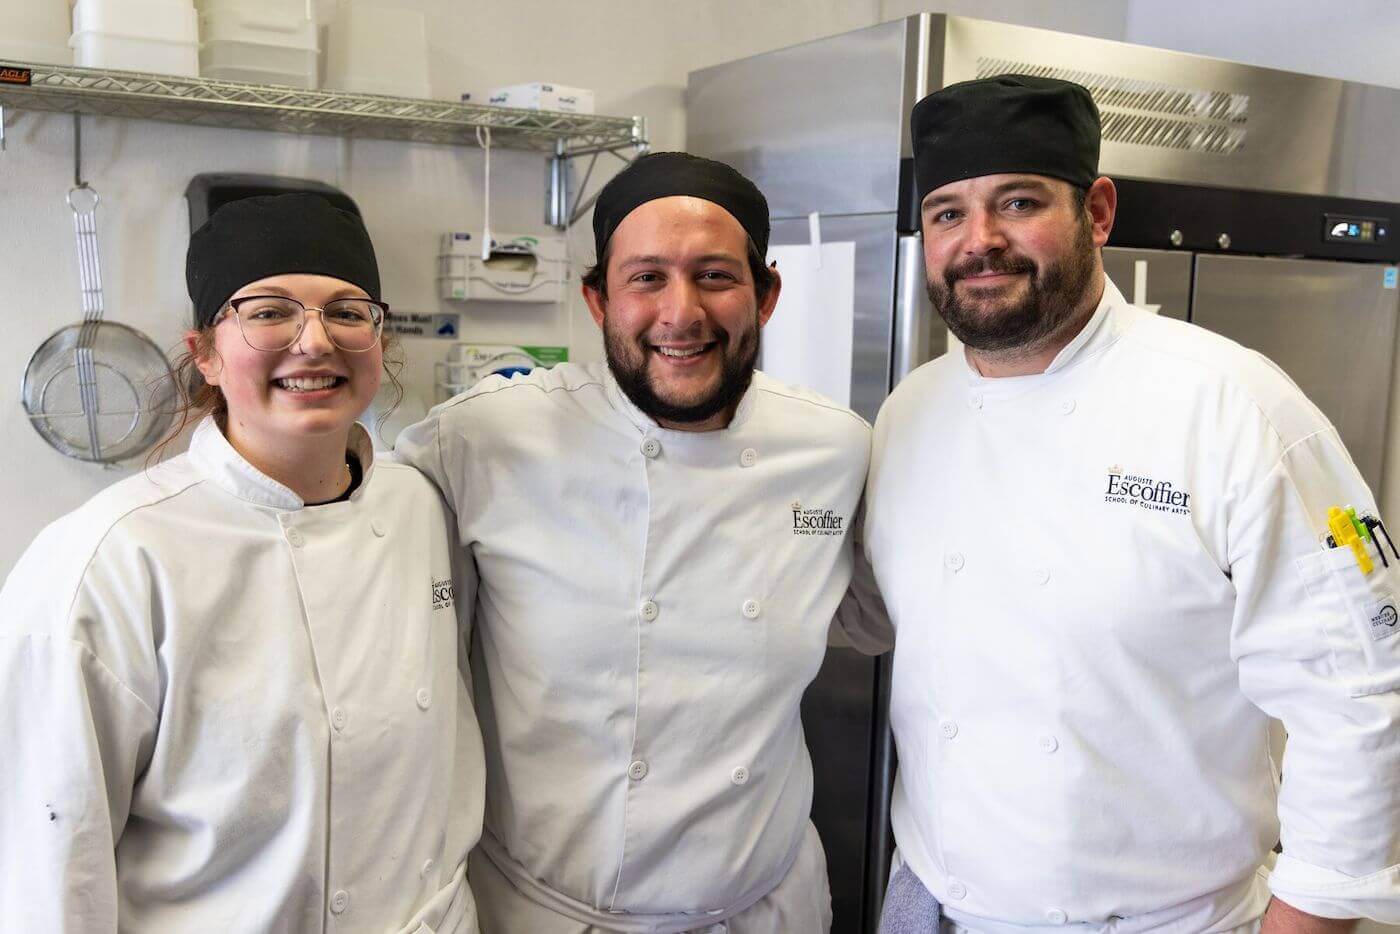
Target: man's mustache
column 1004, row 265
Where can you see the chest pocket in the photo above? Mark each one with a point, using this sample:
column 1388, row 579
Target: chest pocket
column 1358, row 613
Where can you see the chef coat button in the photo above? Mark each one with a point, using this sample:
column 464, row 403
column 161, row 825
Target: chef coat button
column 1048, row 743
column 1066, row 406
column 377, row 528
column 956, row 889
column 637, row 770
column 949, row 728
column 739, row 776
column 340, row 901
column 650, row 610
column 1042, row 576
column 651, row 448
column 748, row 457
column 751, row 609
column 427, row 868
column 338, row 718
column 1056, row 916
column 954, row 560
column 296, row 538
column 424, row 698
column 974, row 402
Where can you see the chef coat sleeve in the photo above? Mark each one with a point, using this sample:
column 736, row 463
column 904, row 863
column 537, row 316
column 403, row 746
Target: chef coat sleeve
column 421, row 445
column 861, row 622
column 74, row 737
column 1317, row 648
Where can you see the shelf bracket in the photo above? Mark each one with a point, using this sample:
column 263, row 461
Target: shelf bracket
column 564, row 202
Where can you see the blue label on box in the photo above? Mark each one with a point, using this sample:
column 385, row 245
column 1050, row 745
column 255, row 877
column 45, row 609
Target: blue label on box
column 1391, row 275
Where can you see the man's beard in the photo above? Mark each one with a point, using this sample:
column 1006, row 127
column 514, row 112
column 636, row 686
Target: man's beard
column 628, row 359
column 1053, row 296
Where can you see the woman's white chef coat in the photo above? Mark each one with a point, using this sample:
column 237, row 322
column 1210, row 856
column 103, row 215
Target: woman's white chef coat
column 1104, row 579
column 222, row 711
column 652, row 605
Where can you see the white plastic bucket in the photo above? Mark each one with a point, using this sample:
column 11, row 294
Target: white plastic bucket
column 35, row 31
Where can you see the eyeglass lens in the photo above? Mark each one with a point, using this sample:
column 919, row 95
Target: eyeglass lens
column 275, row 323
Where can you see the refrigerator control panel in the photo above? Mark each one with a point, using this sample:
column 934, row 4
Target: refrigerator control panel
column 1340, row 228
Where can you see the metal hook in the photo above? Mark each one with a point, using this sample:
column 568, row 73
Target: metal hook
column 78, row 152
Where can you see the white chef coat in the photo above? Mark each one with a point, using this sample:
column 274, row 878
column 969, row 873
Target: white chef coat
column 1104, row 579
column 222, row 711
column 652, row 605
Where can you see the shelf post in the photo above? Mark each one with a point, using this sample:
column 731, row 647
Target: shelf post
column 556, row 198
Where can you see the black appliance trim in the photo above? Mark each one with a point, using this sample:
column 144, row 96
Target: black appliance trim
column 1263, row 223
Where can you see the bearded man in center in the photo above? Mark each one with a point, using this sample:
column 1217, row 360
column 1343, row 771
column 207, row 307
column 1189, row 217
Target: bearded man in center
column 653, row 599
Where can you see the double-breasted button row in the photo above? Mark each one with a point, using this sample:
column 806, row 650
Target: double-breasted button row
column 1047, row 743
column 649, row 610
column 638, row 770
column 297, row 538
column 955, row 561
column 651, row 449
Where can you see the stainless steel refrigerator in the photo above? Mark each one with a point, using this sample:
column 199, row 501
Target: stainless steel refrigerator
column 1254, row 202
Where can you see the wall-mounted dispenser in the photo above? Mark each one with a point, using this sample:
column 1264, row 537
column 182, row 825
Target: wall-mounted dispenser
column 518, row 268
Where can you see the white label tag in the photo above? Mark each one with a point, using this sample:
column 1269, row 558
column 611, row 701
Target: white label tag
column 1382, row 617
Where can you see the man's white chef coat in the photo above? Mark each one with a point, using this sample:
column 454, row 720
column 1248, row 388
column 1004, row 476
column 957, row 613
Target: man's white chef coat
column 222, row 711
column 1104, row 579
column 652, row 604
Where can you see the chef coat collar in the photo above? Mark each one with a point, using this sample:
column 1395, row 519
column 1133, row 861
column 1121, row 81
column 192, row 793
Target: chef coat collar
column 226, row 467
column 647, row 425
column 1097, row 335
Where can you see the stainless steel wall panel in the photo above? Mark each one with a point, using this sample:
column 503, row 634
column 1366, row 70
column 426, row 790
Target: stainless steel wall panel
column 1168, row 277
column 816, row 126
column 1330, row 326
column 1172, row 116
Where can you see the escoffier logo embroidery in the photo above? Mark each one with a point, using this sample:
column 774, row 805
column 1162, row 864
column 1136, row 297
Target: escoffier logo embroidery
column 1157, row 495
column 443, row 595
column 816, row 521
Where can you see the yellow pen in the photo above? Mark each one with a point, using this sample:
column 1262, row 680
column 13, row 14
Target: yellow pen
column 1344, row 534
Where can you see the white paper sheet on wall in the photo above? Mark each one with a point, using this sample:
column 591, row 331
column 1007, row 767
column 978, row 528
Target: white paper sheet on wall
column 807, row 342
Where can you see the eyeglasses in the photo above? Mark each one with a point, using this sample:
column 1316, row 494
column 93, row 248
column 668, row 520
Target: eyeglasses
column 275, row 322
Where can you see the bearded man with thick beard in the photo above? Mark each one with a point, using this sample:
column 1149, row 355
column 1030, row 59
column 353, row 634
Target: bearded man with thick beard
column 1102, row 536
column 660, row 546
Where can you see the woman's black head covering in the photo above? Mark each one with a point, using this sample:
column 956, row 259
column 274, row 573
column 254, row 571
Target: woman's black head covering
column 270, row 235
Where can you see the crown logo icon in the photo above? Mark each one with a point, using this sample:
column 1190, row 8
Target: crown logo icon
column 796, row 506
column 1115, row 469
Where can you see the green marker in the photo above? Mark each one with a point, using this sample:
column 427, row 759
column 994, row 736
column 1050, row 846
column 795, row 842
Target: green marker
column 1361, row 529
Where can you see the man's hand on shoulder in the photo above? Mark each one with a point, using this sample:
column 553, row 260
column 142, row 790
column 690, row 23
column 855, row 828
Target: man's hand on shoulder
column 1283, row 918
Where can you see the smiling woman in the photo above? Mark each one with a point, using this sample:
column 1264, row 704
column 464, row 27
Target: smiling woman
column 244, row 643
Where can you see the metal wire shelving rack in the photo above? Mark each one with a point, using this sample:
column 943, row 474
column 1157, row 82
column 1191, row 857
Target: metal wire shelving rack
column 231, row 104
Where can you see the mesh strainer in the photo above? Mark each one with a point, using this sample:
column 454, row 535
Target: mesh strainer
column 97, row 391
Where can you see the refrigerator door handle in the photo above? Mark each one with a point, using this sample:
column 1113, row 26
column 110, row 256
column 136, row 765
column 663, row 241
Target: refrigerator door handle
column 919, row 333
